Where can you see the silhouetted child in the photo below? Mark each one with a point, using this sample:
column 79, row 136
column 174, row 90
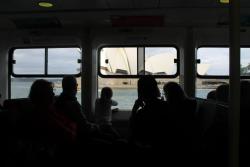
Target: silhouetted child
column 103, row 112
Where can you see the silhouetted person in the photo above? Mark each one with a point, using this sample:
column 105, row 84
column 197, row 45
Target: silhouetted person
column 68, row 104
column 48, row 123
column 1, row 107
column 41, row 95
column 147, row 119
column 212, row 95
column 42, row 130
column 174, row 93
column 222, row 93
column 182, row 121
column 244, row 123
column 103, row 112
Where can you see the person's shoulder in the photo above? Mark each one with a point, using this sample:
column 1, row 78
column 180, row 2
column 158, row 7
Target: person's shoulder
column 140, row 112
column 190, row 101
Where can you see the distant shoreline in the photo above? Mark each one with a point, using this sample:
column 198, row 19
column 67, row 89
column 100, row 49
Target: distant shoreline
column 130, row 83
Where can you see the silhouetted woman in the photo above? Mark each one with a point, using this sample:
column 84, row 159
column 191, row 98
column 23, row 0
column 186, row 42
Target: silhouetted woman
column 146, row 118
column 43, row 128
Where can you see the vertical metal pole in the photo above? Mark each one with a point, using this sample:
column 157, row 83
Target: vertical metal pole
column 234, row 99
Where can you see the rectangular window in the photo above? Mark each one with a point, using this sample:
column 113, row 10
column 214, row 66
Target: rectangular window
column 63, row 60
column 213, row 69
column 245, row 61
column 160, row 60
column 214, row 61
column 36, row 56
column 120, row 68
column 135, row 61
column 118, row 61
column 30, row 64
column 45, row 62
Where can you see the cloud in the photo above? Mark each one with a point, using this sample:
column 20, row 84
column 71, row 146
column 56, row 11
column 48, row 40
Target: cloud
column 217, row 58
column 60, row 61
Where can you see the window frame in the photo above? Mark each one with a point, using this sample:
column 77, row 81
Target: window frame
column 137, row 46
column 217, row 76
column 209, row 76
column 45, row 75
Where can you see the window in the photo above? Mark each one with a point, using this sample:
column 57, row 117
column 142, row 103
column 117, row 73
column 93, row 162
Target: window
column 30, row 64
column 213, row 69
column 120, row 68
column 160, row 60
column 63, row 60
column 118, row 61
column 36, row 56
column 45, row 61
column 134, row 61
column 213, row 61
column 245, row 62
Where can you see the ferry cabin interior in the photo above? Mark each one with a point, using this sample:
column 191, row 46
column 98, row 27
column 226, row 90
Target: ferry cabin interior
column 90, row 26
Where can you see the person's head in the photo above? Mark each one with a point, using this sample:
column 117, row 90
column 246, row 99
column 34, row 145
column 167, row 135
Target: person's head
column 41, row 93
column 173, row 92
column 222, row 93
column 106, row 93
column 211, row 95
column 69, row 84
column 147, row 88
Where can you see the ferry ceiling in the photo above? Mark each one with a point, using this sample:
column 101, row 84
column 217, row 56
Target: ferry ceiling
column 27, row 14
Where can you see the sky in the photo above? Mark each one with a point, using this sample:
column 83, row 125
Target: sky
column 218, row 59
column 64, row 60
column 60, row 61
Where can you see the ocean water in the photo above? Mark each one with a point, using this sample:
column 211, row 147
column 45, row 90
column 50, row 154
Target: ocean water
column 124, row 96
